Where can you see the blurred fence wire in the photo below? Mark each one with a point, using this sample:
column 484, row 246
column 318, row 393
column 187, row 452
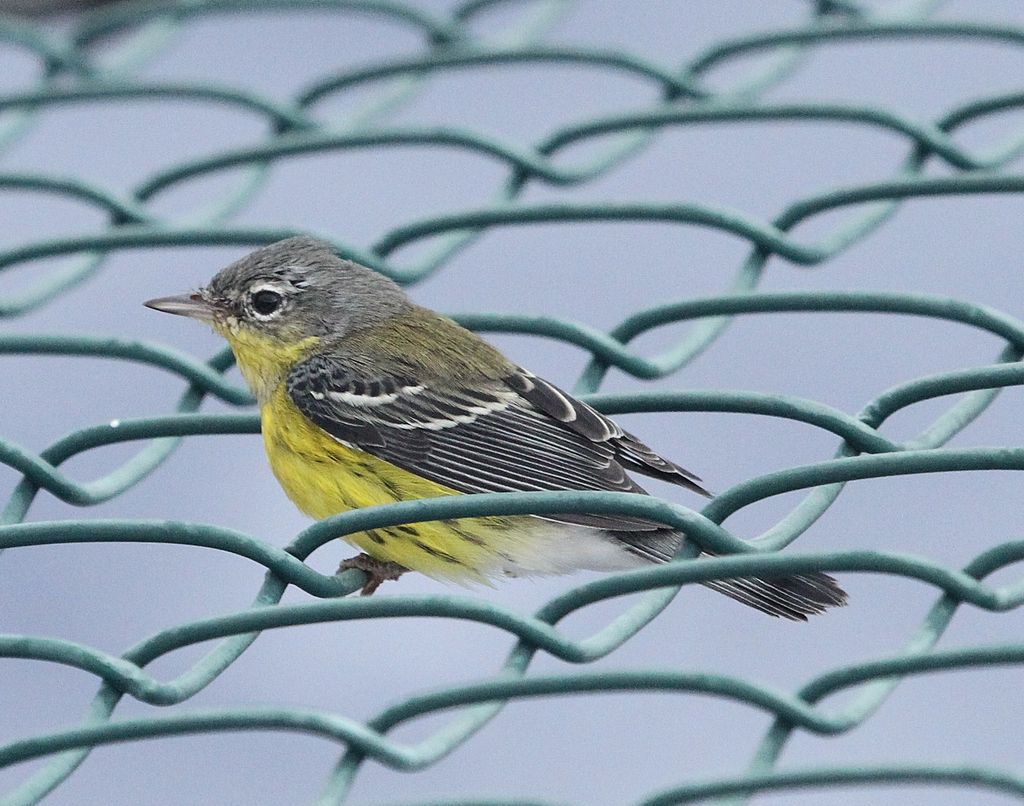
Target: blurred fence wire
column 71, row 73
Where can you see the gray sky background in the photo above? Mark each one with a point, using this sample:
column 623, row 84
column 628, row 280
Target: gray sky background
column 608, row 749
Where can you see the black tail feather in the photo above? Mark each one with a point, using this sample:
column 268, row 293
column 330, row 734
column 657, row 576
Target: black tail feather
column 793, row 597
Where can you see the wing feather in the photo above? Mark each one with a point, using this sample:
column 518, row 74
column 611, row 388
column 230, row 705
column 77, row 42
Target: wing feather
column 515, row 434
column 590, row 423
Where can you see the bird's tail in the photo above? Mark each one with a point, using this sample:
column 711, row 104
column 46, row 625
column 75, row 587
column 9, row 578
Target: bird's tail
column 794, row 597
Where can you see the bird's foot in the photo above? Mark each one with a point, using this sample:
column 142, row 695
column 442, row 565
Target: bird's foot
column 378, row 571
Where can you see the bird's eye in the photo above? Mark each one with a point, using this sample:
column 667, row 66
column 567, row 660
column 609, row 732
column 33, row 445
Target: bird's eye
column 266, row 302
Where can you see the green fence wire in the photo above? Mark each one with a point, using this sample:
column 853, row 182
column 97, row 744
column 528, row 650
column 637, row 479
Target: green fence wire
column 71, row 73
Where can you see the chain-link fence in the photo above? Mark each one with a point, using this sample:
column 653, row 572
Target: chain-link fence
column 101, row 60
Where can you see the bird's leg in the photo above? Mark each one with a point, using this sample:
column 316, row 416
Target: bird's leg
column 378, row 571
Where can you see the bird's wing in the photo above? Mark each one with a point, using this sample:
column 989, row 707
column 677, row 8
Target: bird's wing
column 513, row 434
column 586, row 421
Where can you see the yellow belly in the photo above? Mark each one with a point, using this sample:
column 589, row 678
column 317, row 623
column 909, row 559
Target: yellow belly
column 324, row 477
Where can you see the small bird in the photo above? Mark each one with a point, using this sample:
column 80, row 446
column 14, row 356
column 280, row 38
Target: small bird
column 366, row 398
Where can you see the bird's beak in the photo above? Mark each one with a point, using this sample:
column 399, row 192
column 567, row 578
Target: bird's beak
column 193, row 305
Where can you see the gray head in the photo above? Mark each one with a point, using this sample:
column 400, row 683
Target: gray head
column 290, row 290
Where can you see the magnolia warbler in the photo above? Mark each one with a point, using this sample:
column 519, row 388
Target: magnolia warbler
column 366, row 398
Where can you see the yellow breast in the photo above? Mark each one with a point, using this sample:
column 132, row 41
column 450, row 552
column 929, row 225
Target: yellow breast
column 324, row 477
